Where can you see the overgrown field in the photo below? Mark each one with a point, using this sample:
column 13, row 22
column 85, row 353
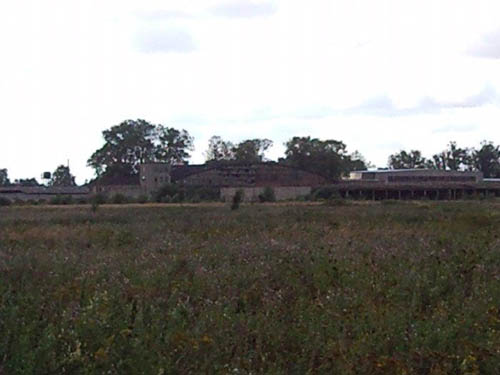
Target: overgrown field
column 402, row 288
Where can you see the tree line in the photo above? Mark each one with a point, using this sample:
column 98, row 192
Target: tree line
column 133, row 142
column 485, row 159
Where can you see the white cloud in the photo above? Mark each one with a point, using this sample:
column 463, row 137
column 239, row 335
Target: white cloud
column 244, row 9
column 488, row 46
column 164, row 40
column 379, row 75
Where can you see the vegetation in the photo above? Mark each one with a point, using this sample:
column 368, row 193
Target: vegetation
column 453, row 158
column 267, row 195
column 237, row 199
column 406, row 288
column 137, row 141
column 62, row 177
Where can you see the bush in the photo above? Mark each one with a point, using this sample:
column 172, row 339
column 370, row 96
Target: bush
column 337, row 202
column 267, row 195
column 142, row 199
column 176, row 194
column 5, row 201
column 119, row 199
column 326, row 192
column 237, row 199
column 98, row 199
column 167, row 193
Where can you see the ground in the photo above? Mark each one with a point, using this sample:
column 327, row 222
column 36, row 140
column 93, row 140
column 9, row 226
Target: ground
column 347, row 288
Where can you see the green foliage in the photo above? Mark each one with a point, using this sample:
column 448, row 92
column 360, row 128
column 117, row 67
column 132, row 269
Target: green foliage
column 142, row 199
column 173, row 193
column 99, row 199
column 27, row 182
column 5, row 201
column 62, row 177
column 267, row 195
column 408, row 160
column 119, row 199
column 133, row 142
column 298, row 289
column 453, row 158
column 487, row 159
column 324, row 157
column 237, row 199
column 325, row 193
column 4, row 177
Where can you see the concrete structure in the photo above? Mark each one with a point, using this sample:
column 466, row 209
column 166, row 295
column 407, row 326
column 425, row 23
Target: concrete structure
column 287, row 182
column 42, row 193
column 416, row 184
column 125, row 185
column 416, row 176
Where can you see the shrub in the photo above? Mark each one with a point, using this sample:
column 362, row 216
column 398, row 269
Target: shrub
column 326, row 192
column 66, row 199
column 267, row 195
column 167, row 193
column 5, row 201
column 119, row 199
column 237, row 199
column 98, row 199
column 142, row 199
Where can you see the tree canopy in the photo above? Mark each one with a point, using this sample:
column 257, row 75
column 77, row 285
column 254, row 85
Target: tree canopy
column 134, row 142
column 487, row 159
column 219, row 150
column 453, row 158
column 62, row 177
column 4, row 177
column 247, row 152
column 328, row 158
column 408, row 160
column 27, row 182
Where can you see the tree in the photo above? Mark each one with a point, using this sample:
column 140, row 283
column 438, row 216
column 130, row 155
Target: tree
column 487, row 159
column 328, row 158
column 4, row 177
column 219, row 150
column 27, row 182
column 134, row 142
column 62, row 177
column 453, row 158
column 251, row 150
column 408, row 160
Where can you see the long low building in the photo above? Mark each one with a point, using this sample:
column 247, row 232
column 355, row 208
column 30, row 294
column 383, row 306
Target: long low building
column 42, row 193
column 417, row 184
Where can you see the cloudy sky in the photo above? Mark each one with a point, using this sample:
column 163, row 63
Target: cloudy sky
column 379, row 75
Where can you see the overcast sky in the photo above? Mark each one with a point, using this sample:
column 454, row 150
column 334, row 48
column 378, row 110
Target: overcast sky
column 379, row 75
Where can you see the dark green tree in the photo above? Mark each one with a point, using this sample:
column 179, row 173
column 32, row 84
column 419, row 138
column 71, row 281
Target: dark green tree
column 27, row 182
column 408, row 160
column 328, row 158
column 487, row 159
column 251, row 150
column 62, row 177
column 134, row 142
column 4, row 177
column 453, row 158
column 219, row 150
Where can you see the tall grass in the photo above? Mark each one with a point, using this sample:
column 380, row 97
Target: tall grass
column 358, row 289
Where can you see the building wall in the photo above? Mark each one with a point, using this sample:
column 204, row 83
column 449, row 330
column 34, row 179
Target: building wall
column 133, row 191
column 417, row 176
column 251, row 194
column 153, row 176
column 258, row 175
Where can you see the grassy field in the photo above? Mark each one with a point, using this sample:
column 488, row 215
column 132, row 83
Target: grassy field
column 395, row 288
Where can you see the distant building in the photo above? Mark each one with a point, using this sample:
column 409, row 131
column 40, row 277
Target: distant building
column 287, row 182
column 406, row 176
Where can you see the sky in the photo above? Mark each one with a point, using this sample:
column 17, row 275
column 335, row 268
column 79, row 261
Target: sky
column 379, row 75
